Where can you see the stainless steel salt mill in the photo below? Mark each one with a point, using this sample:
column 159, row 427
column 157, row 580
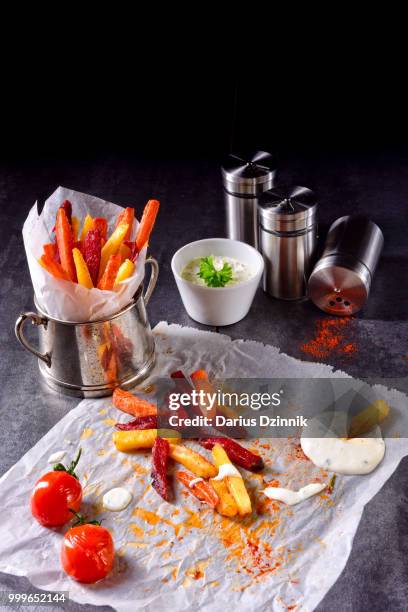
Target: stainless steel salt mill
column 245, row 178
column 287, row 240
column 341, row 280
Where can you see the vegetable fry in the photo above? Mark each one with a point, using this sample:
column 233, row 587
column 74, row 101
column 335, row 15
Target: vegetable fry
column 107, row 358
column 202, row 383
column 53, row 267
column 92, row 253
column 125, row 270
column 142, row 438
column 67, row 207
column 127, row 402
column 125, row 252
column 160, row 459
column 235, row 484
column 63, row 233
column 83, row 276
column 145, row 422
column 237, row 453
column 75, row 228
column 100, row 224
column 133, row 249
column 51, row 251
column 127, row 216
column 202, row 490
column 107, row 280
column 368, row 418
column 226, row 504
column 146, row 223
column 111, row 247
column 88, row 226
column 193, row 461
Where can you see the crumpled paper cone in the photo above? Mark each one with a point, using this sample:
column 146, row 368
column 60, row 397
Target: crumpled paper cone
column 65, row 300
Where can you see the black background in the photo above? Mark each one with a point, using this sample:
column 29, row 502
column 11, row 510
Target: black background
column 182, row 107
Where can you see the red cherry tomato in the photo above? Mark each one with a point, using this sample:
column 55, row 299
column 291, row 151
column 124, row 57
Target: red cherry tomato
column 87, row 553
column 54, row 494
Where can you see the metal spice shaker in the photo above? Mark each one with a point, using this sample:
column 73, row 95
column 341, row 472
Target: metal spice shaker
column 341, row 280
column 244, row 179
column 287, row 240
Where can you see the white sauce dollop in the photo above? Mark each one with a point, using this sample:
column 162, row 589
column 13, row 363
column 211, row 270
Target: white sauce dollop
column 116, row 499
column 56, row 457
column 330, row 449
column 294, row 497
column 227, row 469
column 345, row 455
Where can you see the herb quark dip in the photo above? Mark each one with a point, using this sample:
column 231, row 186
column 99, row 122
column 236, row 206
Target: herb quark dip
column 216, row 271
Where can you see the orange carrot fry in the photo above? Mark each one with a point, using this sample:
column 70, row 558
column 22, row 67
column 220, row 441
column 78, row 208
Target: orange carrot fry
column 147, row 222
column 199, row 374
column 127, row 216
column 53, row 267
column 127, row 402
column 64, row 236
column 202, row 489
column 108, row 278
column 202, row 383
column 51, row 251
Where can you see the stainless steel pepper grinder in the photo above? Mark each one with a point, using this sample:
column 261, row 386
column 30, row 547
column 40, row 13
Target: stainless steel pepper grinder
column 287, row 240
column 245, row 178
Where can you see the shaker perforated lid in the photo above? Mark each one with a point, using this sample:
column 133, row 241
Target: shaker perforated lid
column 287, row 209
column 249, row 174
column 341, row 280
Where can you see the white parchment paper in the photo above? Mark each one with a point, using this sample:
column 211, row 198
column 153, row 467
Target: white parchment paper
column 183, row 556
column 63, row 299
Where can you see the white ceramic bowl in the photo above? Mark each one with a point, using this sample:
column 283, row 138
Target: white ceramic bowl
column 217, row 305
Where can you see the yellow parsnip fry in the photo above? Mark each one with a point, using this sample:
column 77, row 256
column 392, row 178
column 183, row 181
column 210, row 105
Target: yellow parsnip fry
column 125, row 270
column 235, row 484
column 112, row 246
column 83, row 276
column 134, row 439
column 193, row 461
column 88, row 225
column 226, row 505
column 368, row 418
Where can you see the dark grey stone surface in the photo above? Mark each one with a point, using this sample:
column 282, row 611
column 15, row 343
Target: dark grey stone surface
column 376, row 574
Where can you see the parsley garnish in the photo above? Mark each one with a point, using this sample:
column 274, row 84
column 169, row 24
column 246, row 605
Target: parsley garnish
column 213, row 277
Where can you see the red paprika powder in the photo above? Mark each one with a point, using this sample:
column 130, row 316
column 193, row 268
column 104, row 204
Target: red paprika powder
column 330, row 337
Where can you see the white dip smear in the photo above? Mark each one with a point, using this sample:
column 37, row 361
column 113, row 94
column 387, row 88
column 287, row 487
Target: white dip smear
column 56, row 457
column 227, row 469
column 195, row 481
column 345, row 455
column 116, row 499
column 294, row 497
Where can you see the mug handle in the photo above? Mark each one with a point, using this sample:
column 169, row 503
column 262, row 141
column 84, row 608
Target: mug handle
column 35, row 320
column 153, row 278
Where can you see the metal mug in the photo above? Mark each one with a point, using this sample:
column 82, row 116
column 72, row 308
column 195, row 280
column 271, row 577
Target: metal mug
column 91, row 359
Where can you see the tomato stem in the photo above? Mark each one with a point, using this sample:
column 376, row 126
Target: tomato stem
column 60, row 467
column 81, row 519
